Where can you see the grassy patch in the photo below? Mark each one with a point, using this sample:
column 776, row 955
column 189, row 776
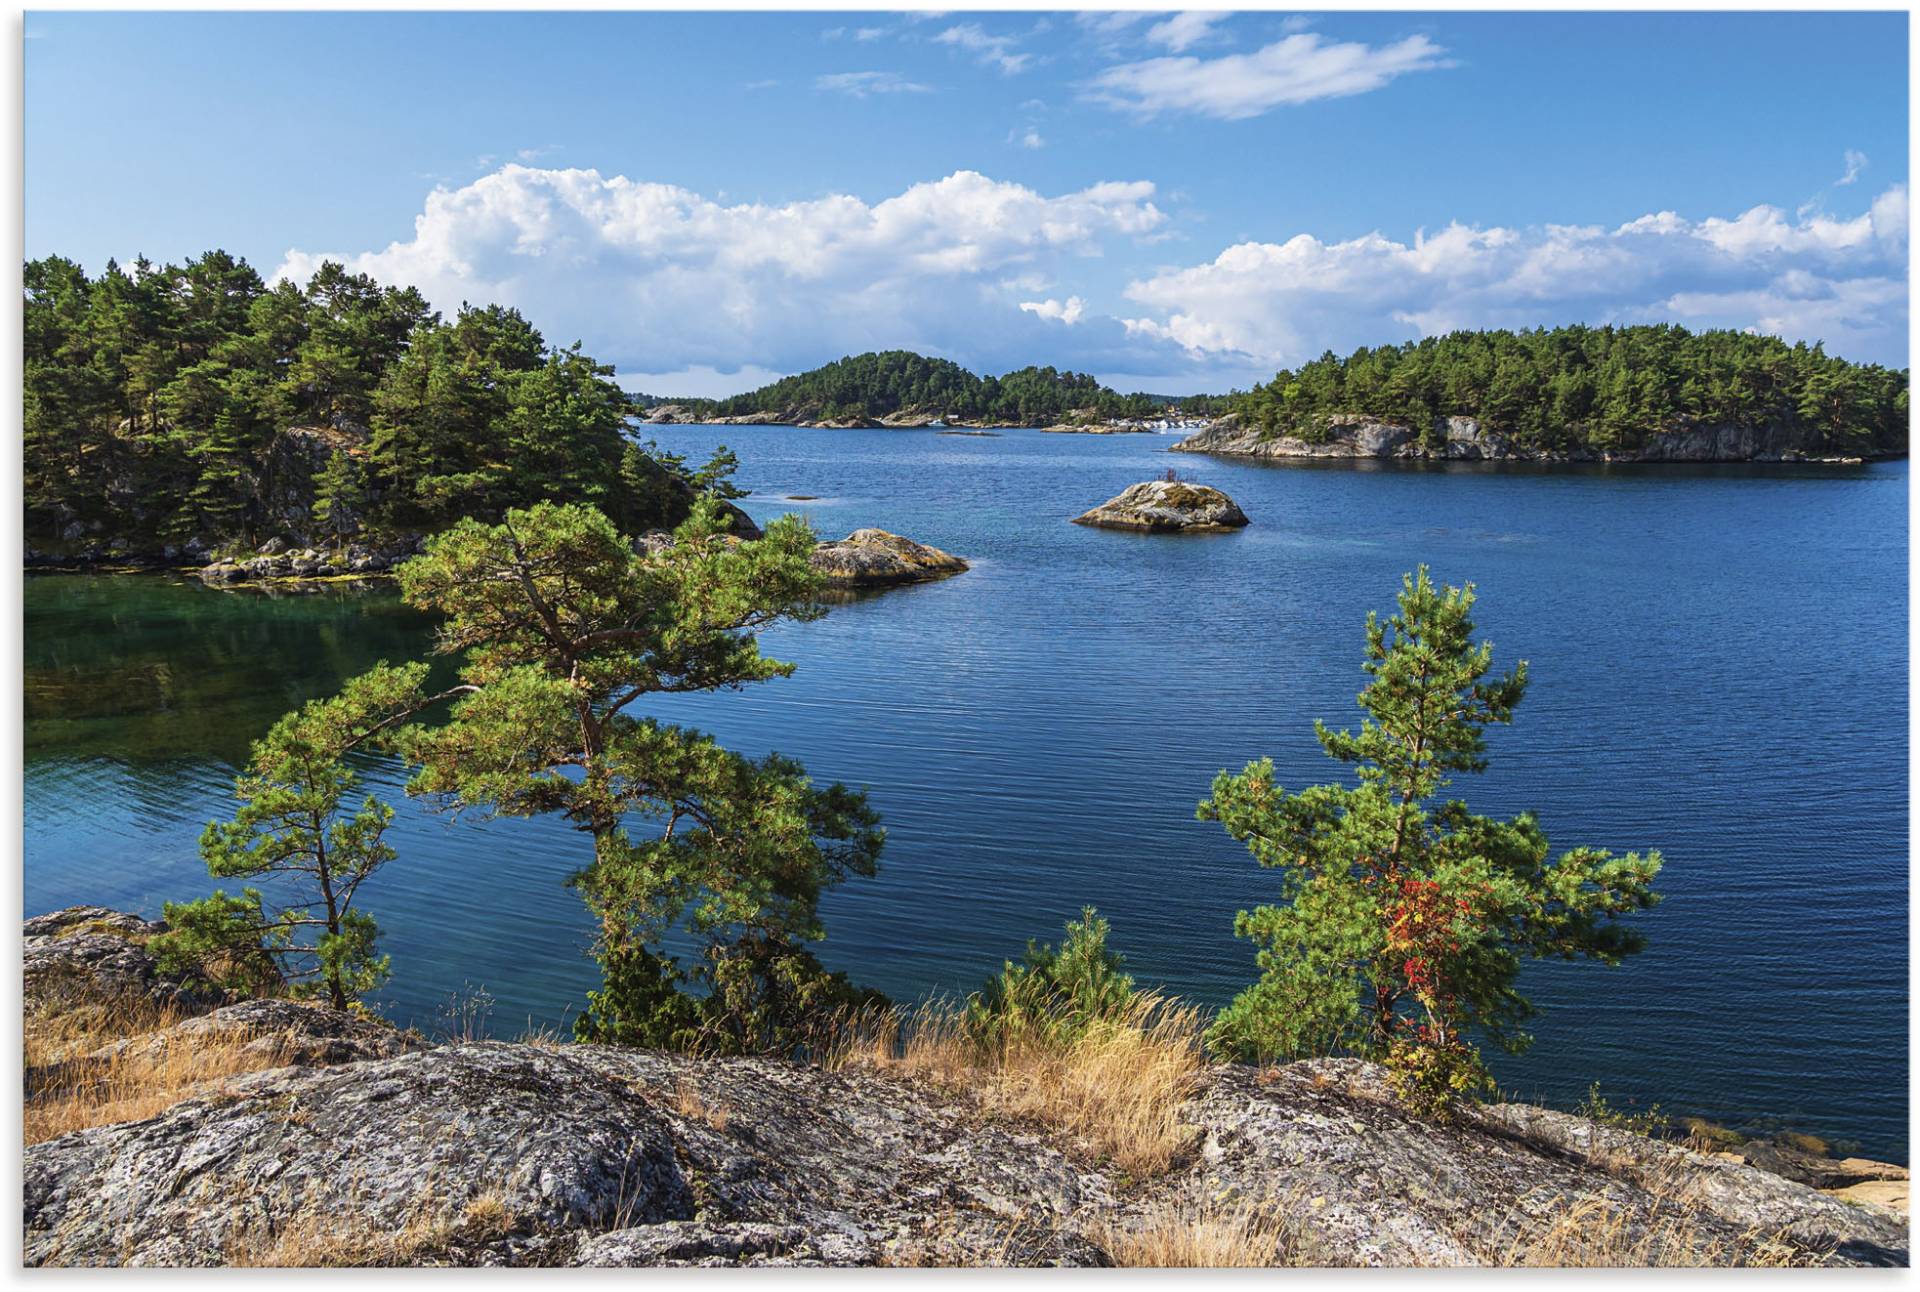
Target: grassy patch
column 1117, row 1086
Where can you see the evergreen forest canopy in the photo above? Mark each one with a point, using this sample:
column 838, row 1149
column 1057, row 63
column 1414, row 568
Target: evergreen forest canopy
column 1593, row 388
column 890, row 382
column 156, row 397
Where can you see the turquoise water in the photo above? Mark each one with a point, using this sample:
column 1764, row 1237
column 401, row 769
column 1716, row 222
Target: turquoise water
column 1719, row 658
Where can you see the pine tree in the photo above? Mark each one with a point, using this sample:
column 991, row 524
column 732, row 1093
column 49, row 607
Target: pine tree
column 339, row 497
column 297, row 826
column 564, row 629
column 1404, row 919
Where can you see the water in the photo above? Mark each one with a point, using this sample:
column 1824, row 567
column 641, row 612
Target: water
column 1719, row 660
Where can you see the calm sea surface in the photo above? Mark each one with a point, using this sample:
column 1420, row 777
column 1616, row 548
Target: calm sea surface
column 1719, row 658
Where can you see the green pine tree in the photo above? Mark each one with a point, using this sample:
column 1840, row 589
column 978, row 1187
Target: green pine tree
column 1403, row 919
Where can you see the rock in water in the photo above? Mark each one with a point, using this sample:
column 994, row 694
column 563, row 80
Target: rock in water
column 872, row 558
column 1163, row 506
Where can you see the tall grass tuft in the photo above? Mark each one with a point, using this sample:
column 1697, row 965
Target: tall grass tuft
column 1116, row 1084
column 71, row 1085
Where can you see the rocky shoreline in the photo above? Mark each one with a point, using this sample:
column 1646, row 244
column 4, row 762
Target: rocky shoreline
column 1463, row 439
column 680, row 415
column 356, row 1143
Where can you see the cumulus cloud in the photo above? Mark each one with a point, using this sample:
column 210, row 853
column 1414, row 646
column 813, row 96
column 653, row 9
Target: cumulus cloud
column 1027, row 137
column 994, row 51
column 1810, row 278
column 659, row 279
column 1069, row 313
column 1295, row 69
column 1184, row 30
column 1856, row 162
column 691, row 291
column 861, row 84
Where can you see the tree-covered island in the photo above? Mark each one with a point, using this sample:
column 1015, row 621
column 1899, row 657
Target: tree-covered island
column 1654, row 391
column 182, row 409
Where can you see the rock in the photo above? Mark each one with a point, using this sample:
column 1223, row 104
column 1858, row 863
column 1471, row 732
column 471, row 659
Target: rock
column 74, row 532
column 692, row 1243
column 590, row 1153
column 94, row 952
column 1372, row 1185
column 1815, row 1171
column 1738, row 1194
column 1890, row 1194
column 600, row 1156
column 874, row 558
column 272, row 547
column 289, row 1031
column 741, row 525
column 1464, row 439
column 1160, row 506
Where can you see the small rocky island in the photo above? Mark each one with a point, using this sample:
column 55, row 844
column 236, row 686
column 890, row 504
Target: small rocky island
column 873, row 558
column 1167, row 506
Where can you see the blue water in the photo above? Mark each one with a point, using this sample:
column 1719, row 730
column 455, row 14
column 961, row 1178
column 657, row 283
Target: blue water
column 1719, row 666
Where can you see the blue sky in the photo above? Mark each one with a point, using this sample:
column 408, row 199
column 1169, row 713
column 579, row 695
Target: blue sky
column 1170, row 201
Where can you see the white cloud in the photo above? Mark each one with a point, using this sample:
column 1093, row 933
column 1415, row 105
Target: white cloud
column 1053, row 310
column 1184, row 29
column 994, row 51
column 1815, row 278
column 1856, row 162
column 1027, row 137
column 1295, row 69
column 861, row 84
column 869, row 33
column 661, row 280
column 694, row 292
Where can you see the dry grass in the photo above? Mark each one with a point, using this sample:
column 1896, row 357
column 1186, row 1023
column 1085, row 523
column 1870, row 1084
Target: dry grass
column 1594, row 1232
column 321, row 1240
column 691, row 1104
column 1207, row 1237
column 68, row 1092
column 1117, row 1087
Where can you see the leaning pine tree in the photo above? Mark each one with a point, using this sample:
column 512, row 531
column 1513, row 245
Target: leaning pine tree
column 1404, row 919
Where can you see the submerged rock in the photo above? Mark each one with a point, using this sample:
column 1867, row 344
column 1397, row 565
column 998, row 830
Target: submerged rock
column 1163, row 506
column 870, row 558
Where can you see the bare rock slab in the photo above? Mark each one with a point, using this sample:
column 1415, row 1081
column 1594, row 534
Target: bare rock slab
column 1167, row 506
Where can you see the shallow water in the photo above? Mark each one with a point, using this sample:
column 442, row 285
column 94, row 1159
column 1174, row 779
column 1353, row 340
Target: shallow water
column 1719, row 667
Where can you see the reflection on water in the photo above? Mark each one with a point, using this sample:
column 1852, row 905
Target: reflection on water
column 1718, row 654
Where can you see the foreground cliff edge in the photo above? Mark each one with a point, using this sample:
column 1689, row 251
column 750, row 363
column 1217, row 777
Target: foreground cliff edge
column 350, row 1142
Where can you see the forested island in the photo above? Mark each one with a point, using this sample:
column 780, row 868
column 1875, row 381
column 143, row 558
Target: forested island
column 1654, row 391
column 899, row 387
column 175, row 409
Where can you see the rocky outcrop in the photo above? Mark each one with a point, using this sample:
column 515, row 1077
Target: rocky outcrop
column 496, row 1153
column 1167, row 506
column 670, row 415
column 1463, row 439
column 94, row 952
column 362, row 1144
column 1097, row 428
column 873, row 558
